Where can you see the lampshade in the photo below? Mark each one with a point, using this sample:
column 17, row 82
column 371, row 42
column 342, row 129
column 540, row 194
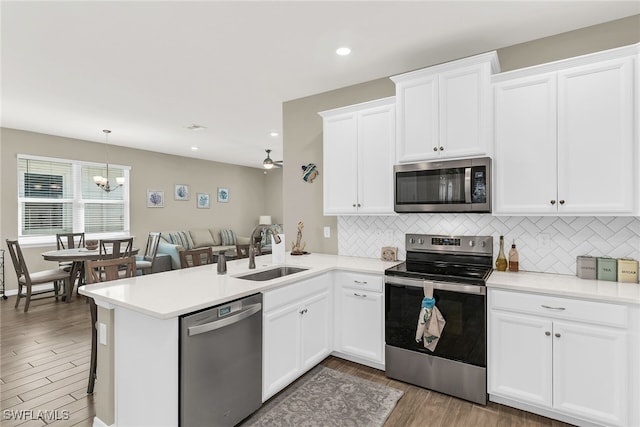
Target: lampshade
column 265, row 219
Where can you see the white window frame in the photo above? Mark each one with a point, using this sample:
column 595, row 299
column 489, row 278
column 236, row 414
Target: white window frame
column 77, row 203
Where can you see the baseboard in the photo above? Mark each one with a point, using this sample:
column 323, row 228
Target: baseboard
column 11, row 292
column 360, row 360
column 541, row 411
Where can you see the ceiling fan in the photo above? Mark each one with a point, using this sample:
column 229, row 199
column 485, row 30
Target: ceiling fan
column 268, row 163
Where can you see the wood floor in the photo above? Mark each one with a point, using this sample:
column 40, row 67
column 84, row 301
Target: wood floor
column 45, row 366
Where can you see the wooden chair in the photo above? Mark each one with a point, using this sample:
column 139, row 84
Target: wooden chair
column 145, row 262
column 71, row 241
column 26, row 280
column 102, row 271
column 120, row 248
column 242, row 251
column 196, row 257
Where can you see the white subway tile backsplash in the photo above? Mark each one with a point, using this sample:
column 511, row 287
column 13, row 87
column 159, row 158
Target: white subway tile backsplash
column 546, row 244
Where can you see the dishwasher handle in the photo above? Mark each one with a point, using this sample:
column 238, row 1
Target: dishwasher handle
column 221, row 323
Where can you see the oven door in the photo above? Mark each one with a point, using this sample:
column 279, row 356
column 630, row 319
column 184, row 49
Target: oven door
column 462, row 306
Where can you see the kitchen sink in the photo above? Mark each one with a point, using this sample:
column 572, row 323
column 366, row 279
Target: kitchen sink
column 272, row 273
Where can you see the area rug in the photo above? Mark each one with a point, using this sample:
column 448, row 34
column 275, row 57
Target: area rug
column 326, row 397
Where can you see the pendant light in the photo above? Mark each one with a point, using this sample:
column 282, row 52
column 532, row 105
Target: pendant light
column 103, row 181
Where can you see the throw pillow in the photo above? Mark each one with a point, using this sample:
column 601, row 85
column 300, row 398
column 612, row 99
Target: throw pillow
column 201, row 237
column 228, row 237
column 181, row 238
column 215, row 234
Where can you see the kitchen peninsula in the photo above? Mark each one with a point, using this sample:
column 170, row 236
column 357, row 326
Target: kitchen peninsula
column 138, row 327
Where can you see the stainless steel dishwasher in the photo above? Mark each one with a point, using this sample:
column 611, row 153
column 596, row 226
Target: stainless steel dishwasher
column 221, row 363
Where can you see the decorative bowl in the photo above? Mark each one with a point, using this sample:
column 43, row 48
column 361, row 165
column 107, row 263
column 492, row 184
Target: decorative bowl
column 92, row 245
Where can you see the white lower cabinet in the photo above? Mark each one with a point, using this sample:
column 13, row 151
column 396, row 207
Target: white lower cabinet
column 560, row 356
column 359, row 326
column 297, row 331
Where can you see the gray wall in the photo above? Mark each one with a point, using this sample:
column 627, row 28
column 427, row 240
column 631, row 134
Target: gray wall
column 248, row 188
column 303, row 127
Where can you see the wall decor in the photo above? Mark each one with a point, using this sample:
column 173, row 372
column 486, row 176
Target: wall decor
column 223, row 195
column 309, row 172
column 202, row 200
column 389, row 253
column 155, row 199
column 181, row 192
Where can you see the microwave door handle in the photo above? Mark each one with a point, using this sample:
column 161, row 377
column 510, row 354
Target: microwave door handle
column 467, row 185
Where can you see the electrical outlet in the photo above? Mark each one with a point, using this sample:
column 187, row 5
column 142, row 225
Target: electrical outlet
column 544, row 241
column 327, row 232
column 102, row 333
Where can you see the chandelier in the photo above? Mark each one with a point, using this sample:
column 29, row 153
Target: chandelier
column 103, row 181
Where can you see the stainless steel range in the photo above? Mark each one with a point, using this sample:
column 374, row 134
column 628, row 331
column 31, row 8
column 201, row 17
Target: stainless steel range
column 456, row 267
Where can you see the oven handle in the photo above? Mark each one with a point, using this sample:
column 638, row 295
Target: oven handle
column 443, row 286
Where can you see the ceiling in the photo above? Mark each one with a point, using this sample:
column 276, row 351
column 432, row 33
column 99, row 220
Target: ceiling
column 149, row 69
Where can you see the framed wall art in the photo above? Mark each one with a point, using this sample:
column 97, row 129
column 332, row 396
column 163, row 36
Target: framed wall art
column 223, row 195
column 181, row 192
column 202, row 200
column 155, row 199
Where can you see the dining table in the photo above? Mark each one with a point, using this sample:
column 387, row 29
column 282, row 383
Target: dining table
column 77, row 257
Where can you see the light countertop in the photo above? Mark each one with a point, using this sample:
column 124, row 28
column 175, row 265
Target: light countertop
column 173, row 293
column 566, row 285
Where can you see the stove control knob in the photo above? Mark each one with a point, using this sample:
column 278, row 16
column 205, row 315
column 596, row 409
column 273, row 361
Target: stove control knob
column 420, row 241
column 472, row 243
column 483, row 243
column 412, row 240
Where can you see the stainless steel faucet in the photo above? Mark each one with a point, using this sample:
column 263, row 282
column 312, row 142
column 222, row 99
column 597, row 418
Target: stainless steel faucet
column 252, row 242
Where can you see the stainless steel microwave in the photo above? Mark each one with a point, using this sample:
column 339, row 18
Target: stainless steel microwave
column 443, row 186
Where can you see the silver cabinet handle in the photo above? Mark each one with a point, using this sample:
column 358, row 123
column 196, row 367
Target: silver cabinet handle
column 435, row 148
column 557, row 335
column 303, row 311
column 553, row 202
column 354, row 205
column 441, row 148
column 217, row 324
column 547, row 333
column 553, row 308
column 562, row 202
column 359, row 282
column 361, row 296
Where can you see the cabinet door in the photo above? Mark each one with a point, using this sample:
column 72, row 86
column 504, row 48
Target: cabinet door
column 525, row 146
column 520, row 357
column 362, row 324
column 590, row 372
column 595, row 138
column 281, row 348
column 317, row 330
column 417, row 119
column 340, row 163
column 376, row 154
column 463, row 110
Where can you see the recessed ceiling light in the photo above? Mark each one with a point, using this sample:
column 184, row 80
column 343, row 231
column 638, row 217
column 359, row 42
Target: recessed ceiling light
column 194, row 148
column 343, row 51
column 273, row 133
column 196, row 127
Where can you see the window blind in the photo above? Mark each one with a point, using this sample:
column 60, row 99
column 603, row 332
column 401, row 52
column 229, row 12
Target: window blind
column 60, row 196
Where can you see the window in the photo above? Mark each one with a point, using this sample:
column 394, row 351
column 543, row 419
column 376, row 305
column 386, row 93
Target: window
column 59, row 196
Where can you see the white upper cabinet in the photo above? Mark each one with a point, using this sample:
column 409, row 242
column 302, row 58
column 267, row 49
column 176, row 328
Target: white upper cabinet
column 566, row 137
column 444, row 111
column 359, row 153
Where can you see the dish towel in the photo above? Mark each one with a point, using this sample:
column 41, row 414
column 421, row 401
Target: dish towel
column 430, row 322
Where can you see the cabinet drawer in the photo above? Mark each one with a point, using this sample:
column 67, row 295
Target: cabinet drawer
column 560, row 308
column 368, row 282
column 295, row 292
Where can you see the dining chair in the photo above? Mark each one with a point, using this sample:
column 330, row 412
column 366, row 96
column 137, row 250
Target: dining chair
column 120, row 248
column 26, row 280
column 196, row 257
column 103, row 270
column 145, row 262
column 71, row 241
